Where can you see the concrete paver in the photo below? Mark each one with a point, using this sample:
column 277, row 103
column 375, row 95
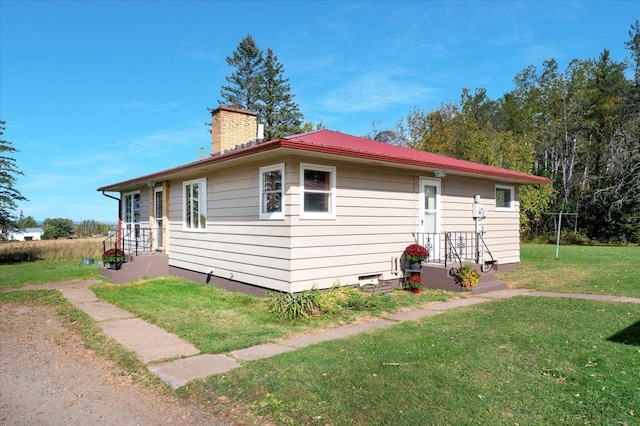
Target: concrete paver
column 600, row 297
column 623, row 299
column 149, row 341
column 265, row 350
column 457, row 303
column 414, row 314
column 102, row 311
column 505, row 294
column 155, row 344
column 181, row 371
column 77, row 295
column 335, row 333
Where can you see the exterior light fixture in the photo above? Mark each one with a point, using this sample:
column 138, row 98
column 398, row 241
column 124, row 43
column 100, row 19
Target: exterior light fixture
column 440, row 173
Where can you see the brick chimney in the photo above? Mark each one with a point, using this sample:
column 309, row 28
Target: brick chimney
column 232, row 126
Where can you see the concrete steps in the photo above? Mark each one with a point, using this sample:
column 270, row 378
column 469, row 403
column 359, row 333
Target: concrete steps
column 436, row 276
column 136, row 267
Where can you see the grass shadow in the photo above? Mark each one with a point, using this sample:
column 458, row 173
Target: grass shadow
column 628, row 336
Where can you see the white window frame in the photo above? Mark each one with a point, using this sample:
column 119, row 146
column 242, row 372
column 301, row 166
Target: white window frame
column 276, row 215
column 202, row 204
column 510, row 207
column 331, row 214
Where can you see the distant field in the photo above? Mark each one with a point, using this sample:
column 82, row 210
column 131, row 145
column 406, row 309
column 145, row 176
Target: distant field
column 61, row 249
column 39, row 262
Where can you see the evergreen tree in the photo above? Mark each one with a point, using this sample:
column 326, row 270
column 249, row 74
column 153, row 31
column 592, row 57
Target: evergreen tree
column 9, row 195
column 280, row 114
column 258, row 84
column 244, row 89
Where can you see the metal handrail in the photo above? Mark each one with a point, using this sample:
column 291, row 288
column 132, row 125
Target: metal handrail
column 134, row 242
column 454, row 247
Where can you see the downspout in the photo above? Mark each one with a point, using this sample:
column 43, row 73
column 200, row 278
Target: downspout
column 119, row 231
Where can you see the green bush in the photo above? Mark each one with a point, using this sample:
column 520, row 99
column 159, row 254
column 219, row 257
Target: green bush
column 573, row 238
column 314, row 302
column 300, row 305
column 353, row 298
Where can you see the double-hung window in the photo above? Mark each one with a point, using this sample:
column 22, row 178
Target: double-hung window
column 195, row 204
column 504, row 198
column 318, row 192
column 272, row 192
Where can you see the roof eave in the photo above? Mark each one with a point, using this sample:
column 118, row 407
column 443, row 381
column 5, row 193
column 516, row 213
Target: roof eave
column 189, row 168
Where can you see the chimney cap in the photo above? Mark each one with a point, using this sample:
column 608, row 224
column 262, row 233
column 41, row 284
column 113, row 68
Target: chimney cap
column 233, row 108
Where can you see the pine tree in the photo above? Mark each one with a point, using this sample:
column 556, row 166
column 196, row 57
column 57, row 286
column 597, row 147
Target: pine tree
column 258, row 84
column 280, row 114
column 244, row 89
column 9, row 196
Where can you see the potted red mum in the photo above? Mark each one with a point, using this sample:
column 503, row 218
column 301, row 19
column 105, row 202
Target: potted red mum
column 114, row 258
column 414, row 284
column 415, row 254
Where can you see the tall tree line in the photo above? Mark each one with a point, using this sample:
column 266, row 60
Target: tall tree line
column 579, row 126
column 258, row 85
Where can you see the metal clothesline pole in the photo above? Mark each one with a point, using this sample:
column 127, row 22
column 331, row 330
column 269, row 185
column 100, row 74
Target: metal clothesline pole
column 560, row 226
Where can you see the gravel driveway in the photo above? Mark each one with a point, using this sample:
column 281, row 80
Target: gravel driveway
column 48, row 377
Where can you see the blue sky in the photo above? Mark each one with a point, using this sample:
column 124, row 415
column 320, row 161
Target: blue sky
column 97, row 92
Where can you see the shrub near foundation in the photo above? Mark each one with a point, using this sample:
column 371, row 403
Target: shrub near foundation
column 336, row 300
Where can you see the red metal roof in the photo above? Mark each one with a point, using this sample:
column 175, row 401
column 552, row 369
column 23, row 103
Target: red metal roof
column 339, row 143
column 336, row 143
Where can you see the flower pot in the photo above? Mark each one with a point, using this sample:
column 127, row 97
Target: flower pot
column 416, row 291
column 416, row 266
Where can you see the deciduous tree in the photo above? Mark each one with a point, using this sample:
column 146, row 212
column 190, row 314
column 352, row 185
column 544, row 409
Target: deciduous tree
column 57, row 228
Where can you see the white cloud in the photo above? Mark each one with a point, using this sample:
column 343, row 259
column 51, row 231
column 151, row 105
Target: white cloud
column 375, row 90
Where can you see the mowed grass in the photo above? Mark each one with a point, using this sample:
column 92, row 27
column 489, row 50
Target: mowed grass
column 50, row 261
column 525, row 360
column 16, row 275
column 218, row 321
column 578, row 269
column 520, row 361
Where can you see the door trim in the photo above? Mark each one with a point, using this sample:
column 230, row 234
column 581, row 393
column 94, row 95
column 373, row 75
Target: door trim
column 158, row 231
column 435, row 251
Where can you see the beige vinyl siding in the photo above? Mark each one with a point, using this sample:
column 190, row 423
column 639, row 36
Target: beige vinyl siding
column 503, row 236
column 377, row 215
column 236, row 244
column 375, row 218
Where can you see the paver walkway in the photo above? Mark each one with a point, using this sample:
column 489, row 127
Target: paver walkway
column 159, row 348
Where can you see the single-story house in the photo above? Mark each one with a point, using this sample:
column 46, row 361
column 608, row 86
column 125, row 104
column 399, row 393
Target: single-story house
column 27, row 234
column 316, row 209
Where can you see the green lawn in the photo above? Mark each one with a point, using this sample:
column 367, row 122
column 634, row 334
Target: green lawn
column 218, row 321
column 524, row 360
column 16, row 275
column 578, row 269
column 521, row 361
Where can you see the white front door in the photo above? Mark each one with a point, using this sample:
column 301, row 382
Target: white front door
column 131, row 219
column 430, row 210
column 158, row 210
